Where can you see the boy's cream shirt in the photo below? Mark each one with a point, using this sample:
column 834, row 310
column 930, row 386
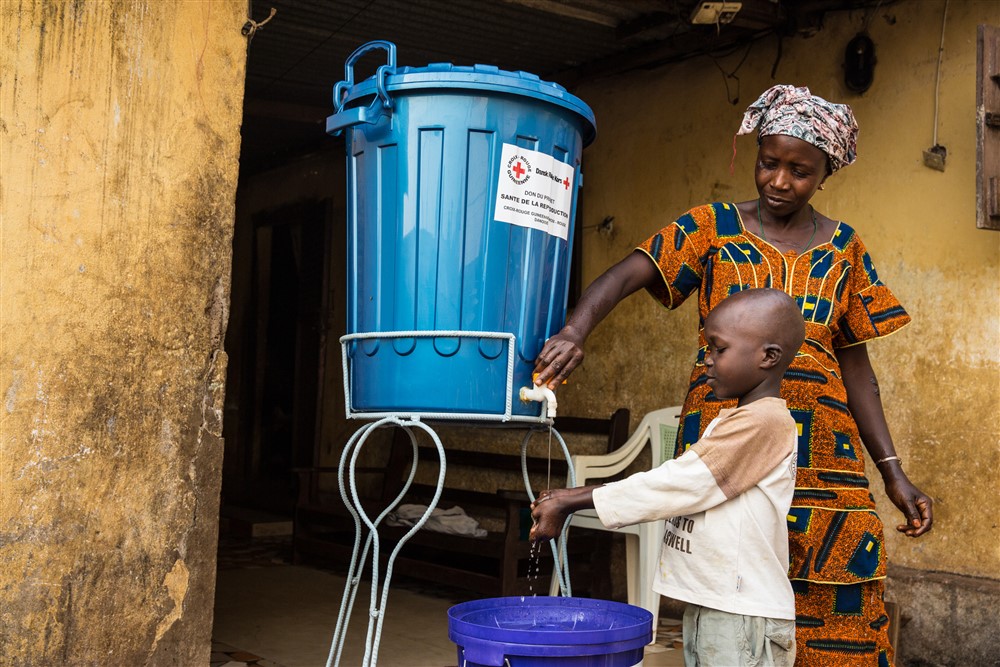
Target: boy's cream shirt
column 725, row 502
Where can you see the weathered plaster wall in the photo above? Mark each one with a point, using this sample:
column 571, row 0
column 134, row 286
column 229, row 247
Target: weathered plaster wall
column 120, row 142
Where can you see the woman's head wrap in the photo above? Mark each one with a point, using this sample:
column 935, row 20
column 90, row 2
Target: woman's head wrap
column 798, row 113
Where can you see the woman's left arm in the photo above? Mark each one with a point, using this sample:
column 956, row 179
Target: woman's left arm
column 866, row 405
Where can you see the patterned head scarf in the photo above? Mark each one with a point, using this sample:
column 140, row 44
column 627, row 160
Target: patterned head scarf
column 798, row 113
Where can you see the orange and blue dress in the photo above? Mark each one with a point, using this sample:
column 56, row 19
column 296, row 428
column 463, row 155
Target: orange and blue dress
column 837, row 549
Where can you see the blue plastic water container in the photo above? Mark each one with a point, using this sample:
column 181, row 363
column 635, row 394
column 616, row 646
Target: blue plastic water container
column 462, row 189
column 549, row 632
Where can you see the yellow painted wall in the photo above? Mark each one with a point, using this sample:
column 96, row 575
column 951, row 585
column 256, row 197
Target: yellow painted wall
column 120, row 141
column 665, row 143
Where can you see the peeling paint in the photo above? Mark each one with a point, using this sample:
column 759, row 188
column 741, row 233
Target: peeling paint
column 176, row 583
column 168, row 439
column 12, row 389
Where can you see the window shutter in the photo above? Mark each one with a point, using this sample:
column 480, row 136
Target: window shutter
column 988, row 128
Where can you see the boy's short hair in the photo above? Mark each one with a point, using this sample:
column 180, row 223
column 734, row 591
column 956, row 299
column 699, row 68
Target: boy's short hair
column 772, row 315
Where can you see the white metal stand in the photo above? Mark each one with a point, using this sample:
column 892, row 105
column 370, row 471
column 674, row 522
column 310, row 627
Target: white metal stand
column 366, row 540
column 367, row 543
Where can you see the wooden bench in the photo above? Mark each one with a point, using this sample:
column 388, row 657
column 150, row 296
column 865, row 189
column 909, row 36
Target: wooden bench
column 493, row 565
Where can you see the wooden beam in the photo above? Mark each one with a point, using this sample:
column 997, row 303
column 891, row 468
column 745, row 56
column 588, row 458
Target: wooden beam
column 645, row 23
column 684, row 45
column 569, row 11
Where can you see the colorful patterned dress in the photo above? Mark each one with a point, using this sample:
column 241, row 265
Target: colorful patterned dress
column 835, row 537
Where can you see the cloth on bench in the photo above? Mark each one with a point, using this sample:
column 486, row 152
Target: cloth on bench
column 453, row 521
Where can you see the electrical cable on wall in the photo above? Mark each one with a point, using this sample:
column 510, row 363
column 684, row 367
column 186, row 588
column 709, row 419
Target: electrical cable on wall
column 868, row 20
column 733, row 99
column 934, row 157
column 778, row 54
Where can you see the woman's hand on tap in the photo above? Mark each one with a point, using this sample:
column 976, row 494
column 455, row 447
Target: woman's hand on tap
column 564, row 351
column 560, row 355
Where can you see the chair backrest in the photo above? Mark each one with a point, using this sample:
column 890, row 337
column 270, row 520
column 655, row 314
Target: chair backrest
column 664, row 424
column 657, row 430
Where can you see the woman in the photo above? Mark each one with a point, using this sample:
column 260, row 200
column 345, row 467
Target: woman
column 779, row 240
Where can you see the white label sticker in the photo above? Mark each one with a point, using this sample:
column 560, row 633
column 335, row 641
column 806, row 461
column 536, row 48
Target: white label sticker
column 534, row 190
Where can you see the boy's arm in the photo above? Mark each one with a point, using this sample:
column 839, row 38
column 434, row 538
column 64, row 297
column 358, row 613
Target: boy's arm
column 678, row 487
column 741, row 450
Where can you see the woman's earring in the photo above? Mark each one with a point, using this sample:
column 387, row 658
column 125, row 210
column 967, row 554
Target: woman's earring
column 822, row 187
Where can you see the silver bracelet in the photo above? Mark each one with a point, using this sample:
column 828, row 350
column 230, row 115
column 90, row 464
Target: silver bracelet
column 889, row 458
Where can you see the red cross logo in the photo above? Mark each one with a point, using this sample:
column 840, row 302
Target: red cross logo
column 519, row 169
column 566, row 183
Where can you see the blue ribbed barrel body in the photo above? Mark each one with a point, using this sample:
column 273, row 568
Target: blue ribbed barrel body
column 462, row 187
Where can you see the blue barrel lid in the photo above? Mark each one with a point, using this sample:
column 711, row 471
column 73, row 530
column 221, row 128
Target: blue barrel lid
column 477, row 77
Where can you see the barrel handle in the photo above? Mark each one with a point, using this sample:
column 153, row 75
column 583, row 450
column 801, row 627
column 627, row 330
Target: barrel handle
column 340, row 90
column 371, row 114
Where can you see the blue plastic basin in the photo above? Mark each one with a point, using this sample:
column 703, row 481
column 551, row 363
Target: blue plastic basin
column 549, row 632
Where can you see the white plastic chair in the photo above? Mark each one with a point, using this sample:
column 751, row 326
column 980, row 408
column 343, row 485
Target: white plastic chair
column 658, row 431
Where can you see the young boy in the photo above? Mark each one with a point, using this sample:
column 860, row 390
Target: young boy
column 726, row 499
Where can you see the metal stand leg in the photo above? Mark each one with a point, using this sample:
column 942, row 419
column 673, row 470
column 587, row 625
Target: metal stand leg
column 359, row 557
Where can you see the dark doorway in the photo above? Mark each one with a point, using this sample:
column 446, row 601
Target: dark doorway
column 278, row 369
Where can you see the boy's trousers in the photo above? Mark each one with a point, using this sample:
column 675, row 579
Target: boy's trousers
column 714, row 638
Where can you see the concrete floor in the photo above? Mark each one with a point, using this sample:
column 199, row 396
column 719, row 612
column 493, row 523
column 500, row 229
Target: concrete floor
column 287, row 615
column 284, row 616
